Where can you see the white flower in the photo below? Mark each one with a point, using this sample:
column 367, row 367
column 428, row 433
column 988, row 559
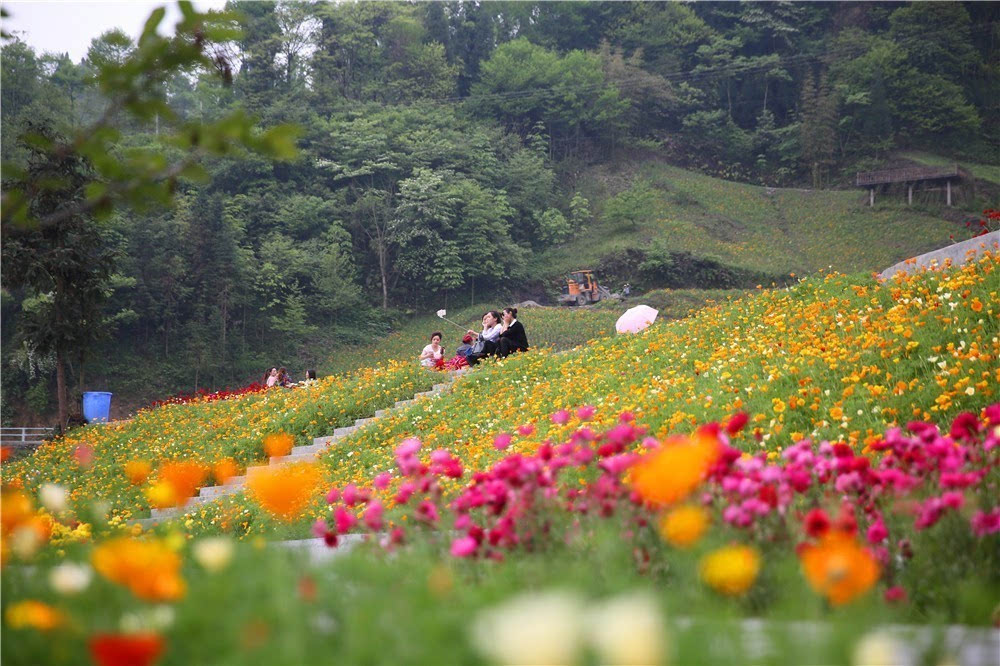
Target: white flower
column 157, row 618
column 540, row 628
column 70, row 578
column 25, row 541
column 877, row 649
column 53, row 497
column 628, row 629
column 213, row 553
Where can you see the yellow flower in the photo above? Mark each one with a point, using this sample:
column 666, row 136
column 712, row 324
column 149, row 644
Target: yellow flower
column 731, row 570
column 34, row 614
column 150, row 569
column 137, row 471
column 684, row 526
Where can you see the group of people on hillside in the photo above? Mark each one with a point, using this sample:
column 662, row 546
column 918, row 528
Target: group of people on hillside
column 280, row 377
column 502, row 335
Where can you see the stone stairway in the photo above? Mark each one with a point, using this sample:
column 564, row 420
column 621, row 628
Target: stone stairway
column 307, row 453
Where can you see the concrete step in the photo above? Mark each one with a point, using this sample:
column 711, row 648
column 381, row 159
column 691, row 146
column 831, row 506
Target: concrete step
column 284, row 460
column 236, row 480
column 315, row 448
column 361, row 423
column 212, row 492
column 163, row 514
column 325, row 440
column 344, row 432
column 404, row 403
column 440, row 387
column 379, row 413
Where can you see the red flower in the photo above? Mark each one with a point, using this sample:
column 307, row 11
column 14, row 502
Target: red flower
column 126, row 649
column 817, row 523
column 737, row 422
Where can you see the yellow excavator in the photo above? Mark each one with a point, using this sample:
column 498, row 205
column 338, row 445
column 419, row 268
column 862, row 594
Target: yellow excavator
column 582, row 288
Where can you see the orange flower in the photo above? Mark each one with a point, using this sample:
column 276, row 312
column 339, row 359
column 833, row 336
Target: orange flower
column 683, row 526
column 836, row 413
column 15, row 508
column 285, row 490
column 224, row 470
column 838, row 567
column 148, row 568
column 671, row 472
column 976, row 305
column 140, row 649
column 34, row 614
column 730, row 570
column 278, row 444
column 184, row 477
column 137, row 471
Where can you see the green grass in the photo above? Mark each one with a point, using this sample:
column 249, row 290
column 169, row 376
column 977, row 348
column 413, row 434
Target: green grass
column 771, row 230
column 990, row 172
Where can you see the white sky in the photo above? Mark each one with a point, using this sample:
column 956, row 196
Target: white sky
column 67, row 26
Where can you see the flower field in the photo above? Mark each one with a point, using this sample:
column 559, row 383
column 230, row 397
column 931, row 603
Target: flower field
column 825, row 454
column 204, row 440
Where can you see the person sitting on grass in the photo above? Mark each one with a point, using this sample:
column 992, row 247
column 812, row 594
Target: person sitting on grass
column 433, row 354
column 512, row 336
column 486, row 341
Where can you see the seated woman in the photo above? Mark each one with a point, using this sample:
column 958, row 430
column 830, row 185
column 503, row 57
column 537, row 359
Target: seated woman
column 486, row 341
column 512, row 337
column 458, row 361
column 433, row 354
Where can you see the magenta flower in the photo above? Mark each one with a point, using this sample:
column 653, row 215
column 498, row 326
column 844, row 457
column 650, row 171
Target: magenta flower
column 463, row 546
column 354, row 496
column 877, row 532
column 382, row 480
column 373, row 515
column 986, row 522
column 344, row 520
column 319, row 529
column 585, row 412
column 501, row 441
column 408, row 447
column 526, row 430
column 333, row 495
column 561, row 417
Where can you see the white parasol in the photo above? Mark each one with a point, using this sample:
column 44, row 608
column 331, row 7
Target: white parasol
column 635, row 319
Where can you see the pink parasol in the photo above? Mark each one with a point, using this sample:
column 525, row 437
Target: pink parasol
column 635, row 319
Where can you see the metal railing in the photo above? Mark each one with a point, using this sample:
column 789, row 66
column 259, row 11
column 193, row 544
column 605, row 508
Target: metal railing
column 24, row 437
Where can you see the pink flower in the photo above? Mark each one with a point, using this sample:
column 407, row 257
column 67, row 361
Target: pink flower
column 561, row 417
column 525, row 430
column 877, row 531
column 440, row 456
column 618, row 464
column 965, row 426
column 585, row 412
column 319, row 528
column 333, row 495
column 354, row 496
column 986, row 522
column 343, row 519
column 84, row 455
column 427, row 512
column 895, row 594
column 625, row 417
column 373, row 515
column 464, row 546
column 382, row 480
column 408, row 447
column 501, row 441
column 405, row 492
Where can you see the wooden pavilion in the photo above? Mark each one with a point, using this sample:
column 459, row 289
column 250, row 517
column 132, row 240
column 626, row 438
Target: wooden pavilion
column 911, row 176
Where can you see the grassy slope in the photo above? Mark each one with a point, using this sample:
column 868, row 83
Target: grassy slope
column 990, row 172
column 766, row 229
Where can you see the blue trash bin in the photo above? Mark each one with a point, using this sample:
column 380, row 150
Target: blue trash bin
column 96, row 406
